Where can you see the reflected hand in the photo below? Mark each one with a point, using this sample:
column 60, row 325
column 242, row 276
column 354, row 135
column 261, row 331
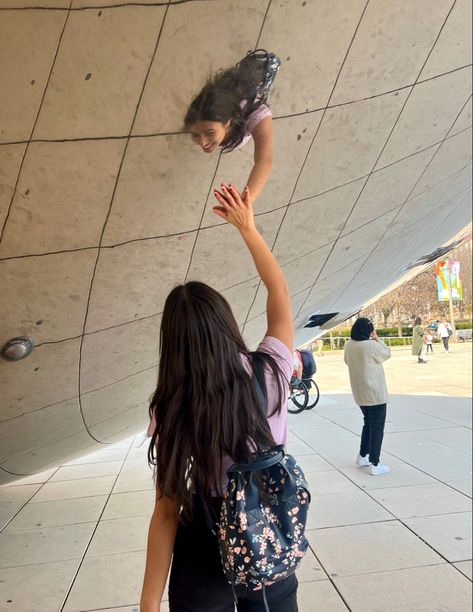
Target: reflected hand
column 236, row 209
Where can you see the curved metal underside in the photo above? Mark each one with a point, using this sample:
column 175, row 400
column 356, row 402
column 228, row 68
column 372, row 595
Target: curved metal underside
column 104, row 202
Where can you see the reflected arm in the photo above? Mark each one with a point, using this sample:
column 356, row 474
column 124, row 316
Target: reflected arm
column 263, row 159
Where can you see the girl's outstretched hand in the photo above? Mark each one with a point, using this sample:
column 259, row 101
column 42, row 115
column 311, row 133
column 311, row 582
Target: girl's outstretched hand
column 236, row 209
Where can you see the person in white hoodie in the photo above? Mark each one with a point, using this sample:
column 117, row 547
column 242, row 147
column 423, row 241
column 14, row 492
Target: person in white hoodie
column 364, row 356
column 444, row 331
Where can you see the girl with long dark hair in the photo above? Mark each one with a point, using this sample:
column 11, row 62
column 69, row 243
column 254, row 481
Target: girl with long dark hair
column 206, row 416
column 231, row 109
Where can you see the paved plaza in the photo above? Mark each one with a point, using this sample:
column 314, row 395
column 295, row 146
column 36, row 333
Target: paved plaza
column 74, row 537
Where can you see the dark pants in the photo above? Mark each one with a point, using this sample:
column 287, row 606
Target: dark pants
column 429, row 348
column 197, row 582
column 445, row 340
column 373, row 431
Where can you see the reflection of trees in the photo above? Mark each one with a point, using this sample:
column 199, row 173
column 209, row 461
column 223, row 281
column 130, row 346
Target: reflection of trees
column 415, row 298
column 463, row 254
column 418, row 296
column 387, row 305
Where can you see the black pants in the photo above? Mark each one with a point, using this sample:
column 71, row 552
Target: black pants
column 429, row 348
column 373, row 431
column 445, row 340
column 197, row 582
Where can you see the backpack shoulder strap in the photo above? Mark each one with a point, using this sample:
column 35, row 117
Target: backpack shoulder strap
column 259, row 383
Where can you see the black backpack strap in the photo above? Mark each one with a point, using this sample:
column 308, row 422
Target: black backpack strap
column 259, row 382
column 265, row 461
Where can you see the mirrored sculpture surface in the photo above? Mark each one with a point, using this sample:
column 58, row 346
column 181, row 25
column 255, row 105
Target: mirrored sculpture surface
column 105, row 204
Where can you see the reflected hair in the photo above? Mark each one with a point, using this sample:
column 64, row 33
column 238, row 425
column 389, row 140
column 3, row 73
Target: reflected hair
column 221, row 100
column 205, row 405
column 417, row 321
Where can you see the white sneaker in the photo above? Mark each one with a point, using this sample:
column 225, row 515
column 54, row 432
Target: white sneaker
column 377, row 470
column 362, row 461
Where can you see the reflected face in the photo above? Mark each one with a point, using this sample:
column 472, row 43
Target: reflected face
column 209, row 134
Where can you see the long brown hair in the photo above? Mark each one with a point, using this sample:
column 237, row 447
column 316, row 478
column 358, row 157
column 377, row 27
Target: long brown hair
column 205, row 405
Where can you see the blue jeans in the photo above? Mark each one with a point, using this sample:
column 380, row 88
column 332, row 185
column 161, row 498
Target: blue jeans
column 373, row 431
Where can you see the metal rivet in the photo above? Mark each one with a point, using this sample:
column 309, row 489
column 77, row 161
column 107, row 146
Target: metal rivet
column 17, row 348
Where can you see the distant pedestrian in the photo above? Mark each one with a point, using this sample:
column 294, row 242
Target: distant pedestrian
column 428, row 342
column 320, row 347
column 444, row 332
column 364, row 356
column 418, row 343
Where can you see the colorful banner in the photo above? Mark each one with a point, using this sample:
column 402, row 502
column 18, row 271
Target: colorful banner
column 448, row 272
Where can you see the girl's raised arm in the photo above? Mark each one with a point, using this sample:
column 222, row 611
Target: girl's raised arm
column 263, row 138
column 239, row 212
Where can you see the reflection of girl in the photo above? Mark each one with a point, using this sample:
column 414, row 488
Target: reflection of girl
column 231, row 108
column 364, row 356
column 205, row 416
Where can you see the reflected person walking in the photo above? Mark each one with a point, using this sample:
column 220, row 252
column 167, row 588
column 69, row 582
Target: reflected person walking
column 418, row 342
column 444, row 332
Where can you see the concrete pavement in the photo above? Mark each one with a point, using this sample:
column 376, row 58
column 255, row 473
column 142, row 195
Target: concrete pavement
column 74, row 537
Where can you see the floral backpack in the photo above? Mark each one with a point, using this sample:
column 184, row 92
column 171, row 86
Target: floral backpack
column 269, row 66
column 263, row 516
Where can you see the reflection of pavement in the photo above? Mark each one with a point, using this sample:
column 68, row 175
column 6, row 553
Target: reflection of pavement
column 393, row 543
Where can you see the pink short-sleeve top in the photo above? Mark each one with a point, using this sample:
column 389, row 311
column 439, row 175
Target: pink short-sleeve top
column 253, row 120
column 277, row 421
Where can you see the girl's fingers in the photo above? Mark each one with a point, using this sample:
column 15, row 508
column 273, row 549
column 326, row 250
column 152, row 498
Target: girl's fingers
column 229, row 196
column 221, row 199
column 246, row 196
column 220, row 212
column 235, row 193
